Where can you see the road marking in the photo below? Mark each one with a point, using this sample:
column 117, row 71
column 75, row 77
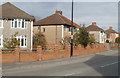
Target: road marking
column 72, row 74
column 110, row 64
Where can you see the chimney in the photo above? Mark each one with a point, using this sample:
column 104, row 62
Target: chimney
column 110, row 27
column 58, row 12
column 93, row 23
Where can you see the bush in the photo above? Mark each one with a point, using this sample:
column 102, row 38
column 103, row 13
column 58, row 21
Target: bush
column 117, row 40
column 83, row 37
column 65, row 41
column 12, row 42
column 91, row 41
column 39, row 39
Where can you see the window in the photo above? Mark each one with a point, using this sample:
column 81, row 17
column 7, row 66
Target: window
column 65, row 28
column 39, row 28
column 19, row 23
column 101, row 31
column 1, row 40
column 69, row 29
column 12, row 23
column 1, row 23
column 15, row 23
column 44, row 30
column 23, row 23
column 23, row 40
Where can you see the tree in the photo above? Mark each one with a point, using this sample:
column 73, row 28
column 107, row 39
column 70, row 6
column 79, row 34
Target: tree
column 91, row 40
column 65, row 41
column 10, row 43
column 117, row 40
column 76, row 39
column 83, row 37
column 39, row 39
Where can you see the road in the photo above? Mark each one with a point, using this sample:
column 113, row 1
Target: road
column 101, row 64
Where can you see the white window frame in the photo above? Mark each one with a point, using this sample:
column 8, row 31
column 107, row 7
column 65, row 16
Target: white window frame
column 24, row 38
column 1, row 37
column 1, row 23
column 19, row 23
column 44, row 30
column 65, row 29
column 24, row 24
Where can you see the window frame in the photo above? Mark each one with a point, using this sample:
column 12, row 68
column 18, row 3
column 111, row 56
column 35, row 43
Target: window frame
column 1, row 40
column 65, row 29
column 44, row 30
column 24, row 37
column 18, row 23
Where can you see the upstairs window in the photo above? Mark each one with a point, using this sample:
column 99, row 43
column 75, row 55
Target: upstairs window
column 69, row 29
column 23, row 24
column 1, row 23
column 44, row 30
column 15, row 23
column 1, row 40
column 65, row 28
column 18, row 23
column 39, row 28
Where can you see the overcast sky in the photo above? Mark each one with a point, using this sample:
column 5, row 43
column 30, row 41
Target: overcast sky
column 104, row 13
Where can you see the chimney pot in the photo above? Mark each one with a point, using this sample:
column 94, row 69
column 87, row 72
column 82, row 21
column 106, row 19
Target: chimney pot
column 58, row 12
column 93, row 23
column 110, row 27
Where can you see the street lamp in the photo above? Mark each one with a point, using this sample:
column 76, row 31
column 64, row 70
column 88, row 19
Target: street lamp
column 71, row 54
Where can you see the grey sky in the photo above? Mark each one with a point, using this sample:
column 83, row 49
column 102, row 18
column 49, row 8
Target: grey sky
column 104, row 13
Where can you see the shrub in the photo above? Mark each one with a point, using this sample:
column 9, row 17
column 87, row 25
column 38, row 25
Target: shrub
column 10, row 43
column 117, row 40
column 39, row 39
column 83, row 37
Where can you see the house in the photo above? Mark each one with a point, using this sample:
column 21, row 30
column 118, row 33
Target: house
column 111, row 34
column 55, row 27
column 97, row 32
column 12, row 20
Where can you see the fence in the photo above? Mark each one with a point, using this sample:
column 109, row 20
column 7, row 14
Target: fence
column 55, row 52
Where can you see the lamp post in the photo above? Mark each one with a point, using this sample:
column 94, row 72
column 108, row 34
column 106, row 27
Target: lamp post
column 71, row 54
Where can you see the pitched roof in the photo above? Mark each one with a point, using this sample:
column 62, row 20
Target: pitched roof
column 10, row 11
column 55, row 19
column 110, row 30
column 94, row 27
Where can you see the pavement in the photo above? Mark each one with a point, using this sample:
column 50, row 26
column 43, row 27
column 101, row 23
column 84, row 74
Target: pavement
column 93, row 64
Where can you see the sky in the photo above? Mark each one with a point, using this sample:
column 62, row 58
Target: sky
column 105, row 14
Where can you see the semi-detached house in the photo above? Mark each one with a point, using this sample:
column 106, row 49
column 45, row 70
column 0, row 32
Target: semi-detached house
column 55, row 27
column 97, row 32
column 111, row 34
column 12, row 20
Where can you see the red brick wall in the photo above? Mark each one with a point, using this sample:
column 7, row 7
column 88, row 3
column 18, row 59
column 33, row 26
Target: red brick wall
column 8, row 57
column 27, row 57
column 40, row 55
column 113, row 46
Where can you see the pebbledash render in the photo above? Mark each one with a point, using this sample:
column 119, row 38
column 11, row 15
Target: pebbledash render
column 55, row 27
column 13, row 20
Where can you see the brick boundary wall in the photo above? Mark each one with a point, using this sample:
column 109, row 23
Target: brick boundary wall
column 114, row 46
column 40, row 55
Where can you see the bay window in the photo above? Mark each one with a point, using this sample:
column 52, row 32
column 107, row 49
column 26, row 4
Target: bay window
column 23, row 40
